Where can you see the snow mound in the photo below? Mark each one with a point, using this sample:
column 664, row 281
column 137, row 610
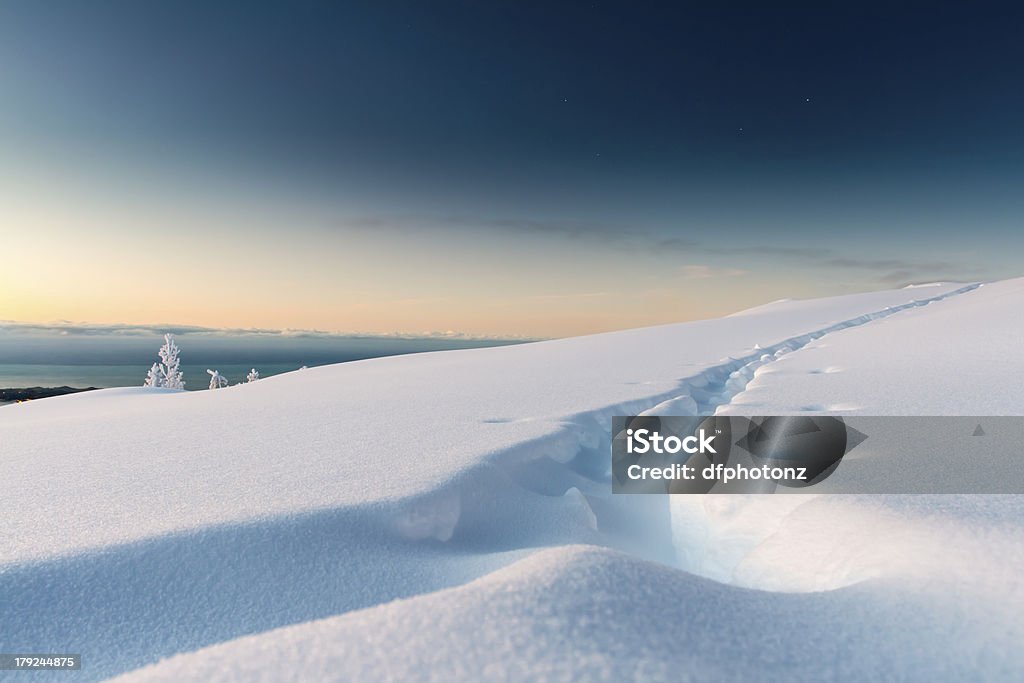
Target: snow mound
column 577, row 613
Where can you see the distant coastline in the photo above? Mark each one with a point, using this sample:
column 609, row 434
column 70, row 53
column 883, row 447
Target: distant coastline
column 106, row 361
column 15, row 395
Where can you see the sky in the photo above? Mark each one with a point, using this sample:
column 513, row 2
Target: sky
column 498, row 168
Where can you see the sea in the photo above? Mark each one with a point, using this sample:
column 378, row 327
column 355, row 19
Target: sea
column 121, row 361
column 21, row 375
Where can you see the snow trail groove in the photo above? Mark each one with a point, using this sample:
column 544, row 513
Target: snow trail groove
column 700, row 394
column 573, row 464
column 717, row 386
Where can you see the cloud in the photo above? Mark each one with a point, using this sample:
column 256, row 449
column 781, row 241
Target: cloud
column 809, row 253
column 568, row 228
column 66, row 328
column 623, row 236
column 570, row 295
column 891, row 269
column 703, row 272
column 823, row 257
column 898, row 277
column 676, row 244
column 889, row 264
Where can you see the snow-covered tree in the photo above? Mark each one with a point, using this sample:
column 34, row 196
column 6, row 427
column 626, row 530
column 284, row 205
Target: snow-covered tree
column 217, row 380
column 168, row 372
column 155, row 377
column 253, row 375
column 173, row 376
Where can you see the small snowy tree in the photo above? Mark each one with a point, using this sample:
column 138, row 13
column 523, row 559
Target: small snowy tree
column 155, row 377
column 252, row 376
column 217, row 380
column 173, row 376
column 168, row 372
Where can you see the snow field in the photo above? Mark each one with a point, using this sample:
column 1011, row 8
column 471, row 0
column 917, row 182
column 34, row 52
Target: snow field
column 311, row 501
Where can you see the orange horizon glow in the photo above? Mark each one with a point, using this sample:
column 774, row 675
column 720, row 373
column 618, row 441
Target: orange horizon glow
column 96, row 258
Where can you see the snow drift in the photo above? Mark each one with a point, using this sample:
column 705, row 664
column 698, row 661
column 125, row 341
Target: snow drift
column 258, row 531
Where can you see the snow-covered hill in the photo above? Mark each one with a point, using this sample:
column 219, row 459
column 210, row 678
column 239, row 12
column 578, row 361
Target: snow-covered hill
column 139, row 524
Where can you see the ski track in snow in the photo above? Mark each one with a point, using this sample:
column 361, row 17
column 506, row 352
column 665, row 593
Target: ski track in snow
column 470, row 527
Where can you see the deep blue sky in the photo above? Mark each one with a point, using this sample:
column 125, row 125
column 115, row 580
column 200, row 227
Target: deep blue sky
column 765, row 149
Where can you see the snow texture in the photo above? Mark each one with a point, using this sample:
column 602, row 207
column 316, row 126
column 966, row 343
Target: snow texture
column 388, row 519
